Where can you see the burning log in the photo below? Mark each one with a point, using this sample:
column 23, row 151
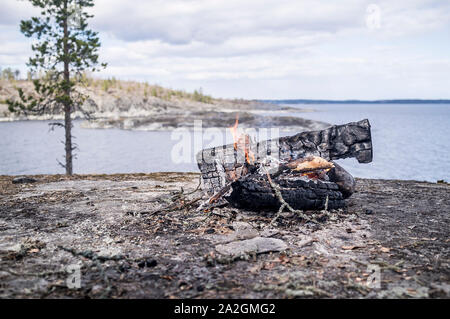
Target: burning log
column 219, row 165
column 304, row 171
column 300, row 192
column 343, row 179
column 309, row 164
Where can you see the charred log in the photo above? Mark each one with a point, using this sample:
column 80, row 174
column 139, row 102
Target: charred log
column 254, row 192
column 343, row 179
column 220, row 165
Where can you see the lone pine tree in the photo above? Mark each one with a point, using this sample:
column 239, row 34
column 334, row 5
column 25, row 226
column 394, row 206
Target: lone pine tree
column 64, row 49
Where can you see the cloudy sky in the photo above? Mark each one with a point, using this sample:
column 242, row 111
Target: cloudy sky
column 276, row 49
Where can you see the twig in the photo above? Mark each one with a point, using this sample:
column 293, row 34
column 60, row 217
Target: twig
column 190, row 203
column 172, row 206
column 198, row 186
column 280, row 210
column 284, row 204
column 220, row 193
column 209, row 203
column 180, row 195
column 52, row 125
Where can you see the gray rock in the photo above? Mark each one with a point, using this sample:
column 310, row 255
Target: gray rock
column 257, row 245
column 299, row 293
column 403, row 292
column 269, row 232
column 444, row 287
column 243, row 231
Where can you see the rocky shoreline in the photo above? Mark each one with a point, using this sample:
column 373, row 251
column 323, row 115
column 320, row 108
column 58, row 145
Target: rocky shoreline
column 128, row 244
column 129, row 106
column 209, row 119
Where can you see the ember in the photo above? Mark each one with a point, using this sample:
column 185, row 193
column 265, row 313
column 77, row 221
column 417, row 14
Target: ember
column 300, row 165
column 242, row 142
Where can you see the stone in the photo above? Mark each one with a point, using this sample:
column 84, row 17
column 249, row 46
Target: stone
column 243, row 230
column 257, row 245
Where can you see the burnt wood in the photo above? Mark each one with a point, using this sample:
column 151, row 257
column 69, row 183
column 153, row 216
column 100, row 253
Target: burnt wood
column 343, row 179
column 254, row 192
column 220, row 165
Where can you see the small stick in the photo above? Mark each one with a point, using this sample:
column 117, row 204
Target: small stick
column 284, row 204
column 214, row 198
column 220, row 193
column 198, row 186
column 280, row 210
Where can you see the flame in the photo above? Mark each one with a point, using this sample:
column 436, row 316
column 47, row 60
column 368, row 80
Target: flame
column 242, row 142
column 233, row 130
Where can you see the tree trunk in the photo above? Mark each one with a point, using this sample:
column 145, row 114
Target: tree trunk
column 67, row 104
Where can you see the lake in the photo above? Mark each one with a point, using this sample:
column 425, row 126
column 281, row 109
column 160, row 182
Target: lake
column 410, row 141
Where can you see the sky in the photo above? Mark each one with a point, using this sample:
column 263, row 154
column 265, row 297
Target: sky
column 257, row 49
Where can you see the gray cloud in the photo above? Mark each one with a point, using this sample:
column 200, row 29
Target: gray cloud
column 12, row 11
column 182, row 22
column 266, row 49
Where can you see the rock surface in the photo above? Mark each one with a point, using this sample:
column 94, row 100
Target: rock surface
column 115, row 229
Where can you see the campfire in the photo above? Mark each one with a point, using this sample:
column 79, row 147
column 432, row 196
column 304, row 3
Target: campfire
column 295, row 171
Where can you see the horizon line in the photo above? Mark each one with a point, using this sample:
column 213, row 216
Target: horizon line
column 357, row 101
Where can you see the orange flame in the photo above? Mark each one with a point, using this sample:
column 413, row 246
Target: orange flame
column 233, row 130
column 242, row 142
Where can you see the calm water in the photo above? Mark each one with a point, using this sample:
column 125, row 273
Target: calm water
column 409, row 141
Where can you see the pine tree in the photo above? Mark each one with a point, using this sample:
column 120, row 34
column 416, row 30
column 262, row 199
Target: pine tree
column 64, row 49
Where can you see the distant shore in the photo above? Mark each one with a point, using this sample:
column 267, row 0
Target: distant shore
column 141, row 106
column 395, row 101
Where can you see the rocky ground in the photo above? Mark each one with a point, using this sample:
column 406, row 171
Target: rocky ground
column 140, row 235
